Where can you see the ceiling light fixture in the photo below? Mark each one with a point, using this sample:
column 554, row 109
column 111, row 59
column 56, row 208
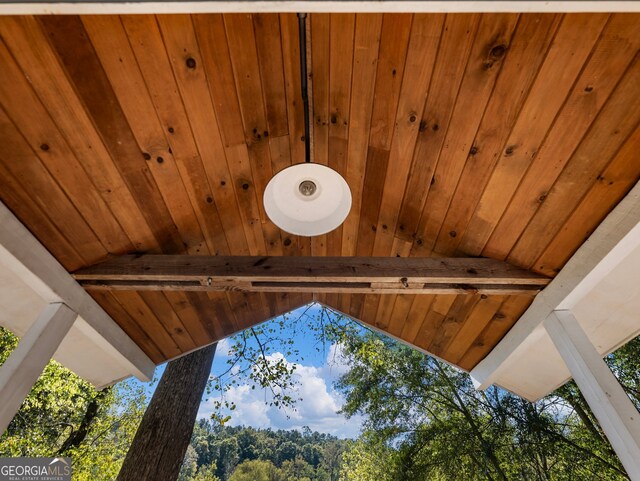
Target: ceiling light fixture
column 307, row 199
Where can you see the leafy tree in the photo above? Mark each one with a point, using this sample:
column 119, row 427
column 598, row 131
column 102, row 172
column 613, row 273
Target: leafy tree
column 435, row 425
column 256, row 470
column 286, row 452
column 368, row 460
column 298, row 469
column 189, row 465
column 332, row 458
column 64, row 415
column 312, row 454
column 206, row 473
column 234, row 446
column 227, row 455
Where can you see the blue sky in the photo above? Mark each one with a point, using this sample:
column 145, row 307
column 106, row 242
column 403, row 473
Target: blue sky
column 318, row 366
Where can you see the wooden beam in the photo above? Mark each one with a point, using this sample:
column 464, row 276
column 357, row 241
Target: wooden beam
column 23, row 367
column 384, row 275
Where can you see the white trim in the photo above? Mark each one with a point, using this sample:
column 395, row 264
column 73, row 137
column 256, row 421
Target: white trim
column 618, row 417
column 614, row 238
column 22, row 253
column 426, row 6
column 25, row 364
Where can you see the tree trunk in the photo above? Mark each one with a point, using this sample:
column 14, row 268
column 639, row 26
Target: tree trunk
column 161, row 441
column 76, row 437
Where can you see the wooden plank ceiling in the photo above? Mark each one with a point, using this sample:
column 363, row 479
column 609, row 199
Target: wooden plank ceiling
column 499, row 135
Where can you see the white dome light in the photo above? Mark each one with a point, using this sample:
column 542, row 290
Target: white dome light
column 307, row 199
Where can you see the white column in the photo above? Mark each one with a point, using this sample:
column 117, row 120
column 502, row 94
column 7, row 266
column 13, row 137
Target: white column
column 617, row 415
column 25, row 364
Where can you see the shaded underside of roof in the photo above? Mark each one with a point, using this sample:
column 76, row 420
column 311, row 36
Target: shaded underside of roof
column 509, row 136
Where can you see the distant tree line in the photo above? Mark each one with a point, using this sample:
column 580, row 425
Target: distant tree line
column 246, row 454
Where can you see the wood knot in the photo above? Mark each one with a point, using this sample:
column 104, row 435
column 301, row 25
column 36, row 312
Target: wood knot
column 191, row 63
column 146, row 156
column 44, row 147
column 473, row 150
column 510, row 150
column 498, row 51
column 160, row 160
column 287, row 242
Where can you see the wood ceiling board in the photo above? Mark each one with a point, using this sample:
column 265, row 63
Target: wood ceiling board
column 318, row 65
column 453, row 53
column 610, row 187
column 181, row 92
column 529, row 44
column 486, row 59
column 572, row 45
column 617, row 46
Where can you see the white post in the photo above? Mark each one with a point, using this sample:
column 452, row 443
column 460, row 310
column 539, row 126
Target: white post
column 617, row 415
column 20, row 372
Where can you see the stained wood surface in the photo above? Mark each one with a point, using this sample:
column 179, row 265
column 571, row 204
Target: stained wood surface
column 345, row 275
column 506, row 136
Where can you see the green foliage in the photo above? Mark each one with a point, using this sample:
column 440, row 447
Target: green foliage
column 247, row 453
column 369, row 460
column 189, row 465
column 206, row 473
column 625, row 364
column 425, row 420
column 256, row 470
column 65, row 415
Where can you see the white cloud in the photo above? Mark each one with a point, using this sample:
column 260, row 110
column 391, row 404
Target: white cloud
column 337, row 363
column 223, row 348
column 317, row 409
